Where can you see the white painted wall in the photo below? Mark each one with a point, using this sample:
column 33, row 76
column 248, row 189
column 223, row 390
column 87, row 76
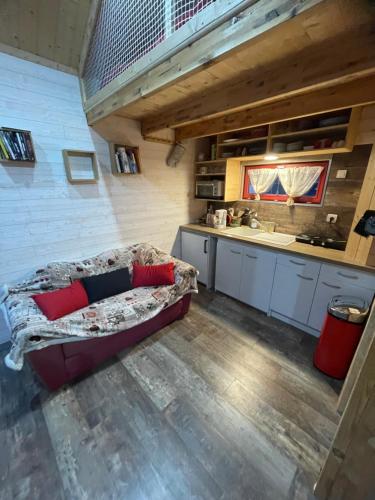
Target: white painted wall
column 42, row 216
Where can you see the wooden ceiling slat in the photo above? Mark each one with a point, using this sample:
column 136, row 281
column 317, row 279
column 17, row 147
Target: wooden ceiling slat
column 50, row 29
column 316, row 67
column 355, row 93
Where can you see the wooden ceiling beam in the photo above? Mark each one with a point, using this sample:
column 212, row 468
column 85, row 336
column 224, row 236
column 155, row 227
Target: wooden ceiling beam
column 219, row 43
column 357, row 92
column 332, row 62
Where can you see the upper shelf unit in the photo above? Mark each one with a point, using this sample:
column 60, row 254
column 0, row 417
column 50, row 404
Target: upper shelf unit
column 326, row 133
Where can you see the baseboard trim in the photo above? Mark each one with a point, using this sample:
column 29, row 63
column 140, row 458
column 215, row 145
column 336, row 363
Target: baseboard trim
column 300, row 326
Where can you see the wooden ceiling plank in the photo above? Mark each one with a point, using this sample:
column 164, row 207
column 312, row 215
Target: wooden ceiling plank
column 28, row 56
column 355, row 93
column 329, row 63
column 254, row 21
column 28, row 24
column 49, row 29
column 47, row 26
column 90, row 25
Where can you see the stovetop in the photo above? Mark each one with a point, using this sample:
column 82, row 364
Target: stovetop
column 321, row 241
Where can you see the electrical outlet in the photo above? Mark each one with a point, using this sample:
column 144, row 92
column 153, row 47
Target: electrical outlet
column 331, row 218
column 341, row 174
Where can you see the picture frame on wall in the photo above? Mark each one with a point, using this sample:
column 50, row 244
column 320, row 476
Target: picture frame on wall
column 81, row 167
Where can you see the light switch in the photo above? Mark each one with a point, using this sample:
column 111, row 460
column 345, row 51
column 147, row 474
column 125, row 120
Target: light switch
column 341, row 174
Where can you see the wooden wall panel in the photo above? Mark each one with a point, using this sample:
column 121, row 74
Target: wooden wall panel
column 42, row 217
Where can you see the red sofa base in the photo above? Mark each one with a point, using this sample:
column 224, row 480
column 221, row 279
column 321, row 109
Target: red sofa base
column 58, row 364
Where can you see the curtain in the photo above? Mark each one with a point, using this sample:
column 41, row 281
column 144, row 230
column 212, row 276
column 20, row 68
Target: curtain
column 297, row 181
column 262, row 179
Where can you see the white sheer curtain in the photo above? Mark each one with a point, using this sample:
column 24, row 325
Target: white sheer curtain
column 262, row 179
column 297, row 181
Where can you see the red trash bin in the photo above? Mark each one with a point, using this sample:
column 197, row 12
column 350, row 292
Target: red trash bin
column 340, row 335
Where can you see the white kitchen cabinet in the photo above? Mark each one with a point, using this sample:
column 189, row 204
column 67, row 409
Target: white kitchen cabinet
column 258, row 268
column 228, row 268
column 336, row 280
column 294, row 287
column 194, row 250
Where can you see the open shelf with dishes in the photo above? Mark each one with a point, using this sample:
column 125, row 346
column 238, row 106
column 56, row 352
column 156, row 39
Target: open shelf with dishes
column 322, row 134
column 313, row 135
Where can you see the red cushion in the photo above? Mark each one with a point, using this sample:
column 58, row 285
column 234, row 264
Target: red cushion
column 59, row 303
column 153, row 275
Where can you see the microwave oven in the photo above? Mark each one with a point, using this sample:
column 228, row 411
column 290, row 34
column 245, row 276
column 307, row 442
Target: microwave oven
column 209, row 189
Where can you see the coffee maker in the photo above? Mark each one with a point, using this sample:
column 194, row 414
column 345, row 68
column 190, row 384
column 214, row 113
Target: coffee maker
column 220, row 221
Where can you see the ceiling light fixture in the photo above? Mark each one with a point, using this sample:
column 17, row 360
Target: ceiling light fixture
column 271, row 157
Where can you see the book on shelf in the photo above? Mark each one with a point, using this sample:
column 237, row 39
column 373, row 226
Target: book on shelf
column 16, row 145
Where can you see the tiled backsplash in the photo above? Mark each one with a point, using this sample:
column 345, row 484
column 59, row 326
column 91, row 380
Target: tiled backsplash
column 340, row 198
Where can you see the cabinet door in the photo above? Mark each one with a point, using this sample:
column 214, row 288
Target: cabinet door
column 194, row 250
column 258, row 269
column 293, row 292
column 228, row 268
column 328, row 287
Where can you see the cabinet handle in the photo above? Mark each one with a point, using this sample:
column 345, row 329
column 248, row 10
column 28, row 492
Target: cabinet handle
column 251, row 256
column 235, row 251
column 347, row 275
column 305, row 277
column 205, row 246
column 336, row 287
column 297, row 263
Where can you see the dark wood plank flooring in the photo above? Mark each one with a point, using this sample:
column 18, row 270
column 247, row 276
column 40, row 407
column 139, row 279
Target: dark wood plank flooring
column 222, row 405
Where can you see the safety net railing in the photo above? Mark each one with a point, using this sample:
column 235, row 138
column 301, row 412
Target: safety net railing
column 129, row 32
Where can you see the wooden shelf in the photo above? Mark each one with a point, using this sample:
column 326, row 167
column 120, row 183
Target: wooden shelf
column 233, row 177
column 312, row 131
column 130, row 150
column 209, row 199
column 210, row 175
column 17, row 142
column 242, row 141
column 207, row 162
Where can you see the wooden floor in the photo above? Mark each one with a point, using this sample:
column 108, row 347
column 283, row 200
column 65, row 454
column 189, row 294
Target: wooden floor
column 222, row 405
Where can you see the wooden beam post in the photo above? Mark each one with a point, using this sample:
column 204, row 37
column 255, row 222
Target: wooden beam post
column 333, row 62
column 355, row 93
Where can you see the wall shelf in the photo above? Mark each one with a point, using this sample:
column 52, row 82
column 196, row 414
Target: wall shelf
column 305, row 128
column 124, row 159
column 312, row 131
column 16, row 146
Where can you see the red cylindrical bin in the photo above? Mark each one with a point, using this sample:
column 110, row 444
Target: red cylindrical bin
column 340, row 335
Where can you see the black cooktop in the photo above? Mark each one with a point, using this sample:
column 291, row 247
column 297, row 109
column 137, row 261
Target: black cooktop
column 321, row 241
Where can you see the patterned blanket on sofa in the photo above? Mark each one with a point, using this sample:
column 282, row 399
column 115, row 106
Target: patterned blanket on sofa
column 31, row 329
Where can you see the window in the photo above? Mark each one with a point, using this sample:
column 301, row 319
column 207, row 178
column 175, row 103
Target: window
column 276, row 192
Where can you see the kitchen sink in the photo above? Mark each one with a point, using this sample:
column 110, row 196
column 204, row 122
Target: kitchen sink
column 258, row 235
column 244, row 231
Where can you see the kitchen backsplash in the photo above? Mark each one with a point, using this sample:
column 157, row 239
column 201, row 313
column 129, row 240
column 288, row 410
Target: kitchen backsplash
column 340, row 198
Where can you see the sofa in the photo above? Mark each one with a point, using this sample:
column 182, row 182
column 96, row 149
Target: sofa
column 62, row 349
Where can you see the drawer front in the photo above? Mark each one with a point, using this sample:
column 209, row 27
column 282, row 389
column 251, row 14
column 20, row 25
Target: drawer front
column 299, row 264
column 258, row 268
column 326, row 289
column 293, row 292
column 228, row 268
column 348, row 276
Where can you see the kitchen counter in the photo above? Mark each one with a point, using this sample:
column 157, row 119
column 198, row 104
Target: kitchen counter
column 321, row 253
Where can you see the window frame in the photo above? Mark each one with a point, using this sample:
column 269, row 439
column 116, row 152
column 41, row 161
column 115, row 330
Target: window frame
column 314, row 201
